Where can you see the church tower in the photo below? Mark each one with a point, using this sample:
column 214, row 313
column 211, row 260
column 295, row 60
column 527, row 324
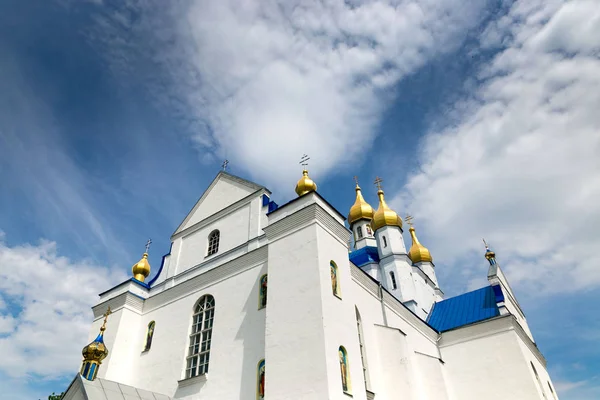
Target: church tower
column 310, row 319
column 359, row 218
column 395, row 266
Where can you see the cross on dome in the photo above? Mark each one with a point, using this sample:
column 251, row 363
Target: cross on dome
column 225, row 164
column 378, row 181
column 106, row 314
column 304, row 160
column 148, row 243
column 409, row 219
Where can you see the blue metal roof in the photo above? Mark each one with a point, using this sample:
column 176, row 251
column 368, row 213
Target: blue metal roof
column 364, row 256
column 465, row 309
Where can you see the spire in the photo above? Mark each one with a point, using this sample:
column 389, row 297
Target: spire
column 141, row 269
column 489, row 254
column 417, row 253
column 94, row 353
column 305, row 184
column 384, row 216
column 361, row 209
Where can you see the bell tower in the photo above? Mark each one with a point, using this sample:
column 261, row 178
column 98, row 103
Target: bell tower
column 310, row 325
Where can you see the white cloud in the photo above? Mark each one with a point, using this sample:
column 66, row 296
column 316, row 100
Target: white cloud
column 46, row 323
column 521, row 165
column 262, row 82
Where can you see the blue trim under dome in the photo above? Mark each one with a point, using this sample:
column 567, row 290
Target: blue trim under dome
column 465, row 309
column 364, row 256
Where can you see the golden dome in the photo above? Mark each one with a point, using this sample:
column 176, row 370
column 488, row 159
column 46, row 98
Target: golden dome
column 97, row 351
column 305, row 184
column 385, row 216
column 361, row 209
column 141, row 269
column 418, row 253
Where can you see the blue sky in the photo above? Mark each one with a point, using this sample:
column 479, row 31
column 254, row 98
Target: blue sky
column 114, row 117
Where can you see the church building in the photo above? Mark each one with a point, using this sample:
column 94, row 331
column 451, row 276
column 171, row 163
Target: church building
column 260, row 301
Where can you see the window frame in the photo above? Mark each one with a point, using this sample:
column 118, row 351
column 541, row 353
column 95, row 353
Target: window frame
column 393, row 279
column 337, row 291
column 363, row 352
column 359, row 232
column 214, row 239
column 348, row 389
column 148, row 344
column 200, row 337
column 260, row 295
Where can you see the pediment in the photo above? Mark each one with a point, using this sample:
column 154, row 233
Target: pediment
column 225, row 190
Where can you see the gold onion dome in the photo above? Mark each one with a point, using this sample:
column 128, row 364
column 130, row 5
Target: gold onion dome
column 385, row 216
column 361, row 209
column 97, row 351
column 305, row 184
column 141, row 269
column 418, row 253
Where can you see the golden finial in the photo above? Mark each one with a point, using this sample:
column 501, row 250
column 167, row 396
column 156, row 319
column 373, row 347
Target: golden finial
column 94, row 353
column 384, row 216
column 141, row 269
column 489, row 253
column 360, row 209
column 305, row 184
column 417, row 253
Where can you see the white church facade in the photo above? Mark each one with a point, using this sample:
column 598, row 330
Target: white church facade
column 258, row 301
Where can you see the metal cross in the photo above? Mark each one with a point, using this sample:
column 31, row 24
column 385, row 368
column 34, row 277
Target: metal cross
column 409, row 219
column 224, row 165
column 378, row 181
column 485, row 243
column 356, row 179
column 148, row 243
column 304, row 160
column 106, row 314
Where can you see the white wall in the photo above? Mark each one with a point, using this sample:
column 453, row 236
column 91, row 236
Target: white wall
column 234, row 231
column 485, row 361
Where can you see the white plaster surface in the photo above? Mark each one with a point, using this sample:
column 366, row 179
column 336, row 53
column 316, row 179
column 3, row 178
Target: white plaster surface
column 303, row 325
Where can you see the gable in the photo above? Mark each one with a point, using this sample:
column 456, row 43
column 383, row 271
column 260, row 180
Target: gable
column 225, row 190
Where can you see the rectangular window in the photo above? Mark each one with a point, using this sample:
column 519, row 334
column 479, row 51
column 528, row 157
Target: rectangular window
column 393, row 278
column 359, row 232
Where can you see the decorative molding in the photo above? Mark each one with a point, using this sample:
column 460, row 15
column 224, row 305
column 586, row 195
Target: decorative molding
column 291, row 222
column 192, row 381
column 200, row 282
column 126, row 300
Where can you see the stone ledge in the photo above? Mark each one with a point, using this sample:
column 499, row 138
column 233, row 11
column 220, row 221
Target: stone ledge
column 192, row 381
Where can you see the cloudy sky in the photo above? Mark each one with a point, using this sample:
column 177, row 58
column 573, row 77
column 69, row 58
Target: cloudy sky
column 481, row 117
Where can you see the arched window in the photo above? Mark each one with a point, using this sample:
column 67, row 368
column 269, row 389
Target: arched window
column 359, row 232
column 384, row 241
column 363, row 354
column 262, row 292
column 345, row 370
column 202, row 323
column 149, row 335
column 213, row 242
column 537, row 378
column 335, row 282
column 393, row 279
column 260, row 380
